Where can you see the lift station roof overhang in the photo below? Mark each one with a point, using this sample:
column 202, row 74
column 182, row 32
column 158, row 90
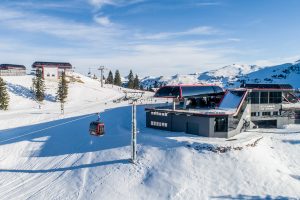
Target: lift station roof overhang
column 186, row 91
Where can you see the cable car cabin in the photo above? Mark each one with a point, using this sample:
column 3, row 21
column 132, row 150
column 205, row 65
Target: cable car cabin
column 97, row 128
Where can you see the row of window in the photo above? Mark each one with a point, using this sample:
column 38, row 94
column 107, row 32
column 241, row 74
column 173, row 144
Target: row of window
column 257, row 114
column 265, row 97
column 53, row 75
column 159, row 124
column 159, row 114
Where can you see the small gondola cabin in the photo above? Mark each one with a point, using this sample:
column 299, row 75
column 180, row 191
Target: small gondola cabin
column 96, row 128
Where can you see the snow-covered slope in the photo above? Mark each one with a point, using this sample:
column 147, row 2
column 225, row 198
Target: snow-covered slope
column 60, row 160
column 228, row 74
column 288, row 73
column 233, row 75
column 44, row 155
column 85, row 95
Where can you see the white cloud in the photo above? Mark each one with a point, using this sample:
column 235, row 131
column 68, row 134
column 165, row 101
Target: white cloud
column 113, row 46
column 101, row 3
column 102, row 20
column 208, row 4
column 67, row 29
column 201, row 30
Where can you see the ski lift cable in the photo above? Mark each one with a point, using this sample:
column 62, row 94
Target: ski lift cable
column 50, row 127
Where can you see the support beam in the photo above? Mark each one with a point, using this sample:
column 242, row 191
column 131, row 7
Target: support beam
column 133, row 135
column 174, row 104
column 101, row 68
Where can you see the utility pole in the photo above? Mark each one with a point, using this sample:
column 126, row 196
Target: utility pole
column 101, row 68
column 133, row 135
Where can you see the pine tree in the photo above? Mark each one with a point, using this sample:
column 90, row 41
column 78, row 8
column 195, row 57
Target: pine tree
column 62, row 91
column 4, row 97
column 136, row 82
column 110, row 78
column 38, row 87
column 117, row 80
column 130, row 80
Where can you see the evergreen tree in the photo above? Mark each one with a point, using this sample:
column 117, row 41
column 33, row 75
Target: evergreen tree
column 62, row 91
column 136, row 82
column 141, row 87
column 117, row 80
column 130, row 80
column 110, row 78
column 4, row 97
column 38, row 87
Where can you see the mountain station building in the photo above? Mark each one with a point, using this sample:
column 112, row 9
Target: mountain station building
column 12, row 70
column 208, row 110
column 51, row 70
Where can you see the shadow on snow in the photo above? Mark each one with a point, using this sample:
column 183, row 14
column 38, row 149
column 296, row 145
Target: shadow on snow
column 253, row 197
column 291, row 141
column 22, row 91
column 69, row 136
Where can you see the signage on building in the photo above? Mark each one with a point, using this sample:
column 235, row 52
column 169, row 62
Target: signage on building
column 267, row 107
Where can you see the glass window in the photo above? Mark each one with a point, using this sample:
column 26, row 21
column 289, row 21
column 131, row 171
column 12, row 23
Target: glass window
column 253, row 114
column 264, row 97
column 275, row 97
column 168, row 91
column 254, row 98
column 221, row 124
column 189, row 91
column 275, row 113
column 266, row 113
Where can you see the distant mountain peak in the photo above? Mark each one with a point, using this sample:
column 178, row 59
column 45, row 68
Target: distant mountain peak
column 232, row 75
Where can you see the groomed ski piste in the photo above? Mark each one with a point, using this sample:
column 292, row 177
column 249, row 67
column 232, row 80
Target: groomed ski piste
column 46, row 155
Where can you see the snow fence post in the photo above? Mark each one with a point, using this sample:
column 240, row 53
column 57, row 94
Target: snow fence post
column 133, row 135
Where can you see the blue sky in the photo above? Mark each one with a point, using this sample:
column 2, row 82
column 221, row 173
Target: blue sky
column 149, row 36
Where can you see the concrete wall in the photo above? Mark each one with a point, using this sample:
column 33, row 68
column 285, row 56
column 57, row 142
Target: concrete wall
column 245, row 117
column 191, row 124
column 181, row 123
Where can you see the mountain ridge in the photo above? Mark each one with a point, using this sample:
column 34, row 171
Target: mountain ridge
column 232, row 76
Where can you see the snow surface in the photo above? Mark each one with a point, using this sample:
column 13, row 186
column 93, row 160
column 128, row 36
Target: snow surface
column 43, row 158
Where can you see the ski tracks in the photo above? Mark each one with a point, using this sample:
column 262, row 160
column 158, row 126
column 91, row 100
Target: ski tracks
column 84, row 176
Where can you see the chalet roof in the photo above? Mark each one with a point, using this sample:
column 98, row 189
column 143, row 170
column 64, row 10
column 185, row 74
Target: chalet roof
column 60, row 65
column 12, row 66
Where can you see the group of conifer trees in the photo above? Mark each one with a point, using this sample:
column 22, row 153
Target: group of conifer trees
column 4, row 97
column 115, row 80
column 38, row 90
column 133, row 81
